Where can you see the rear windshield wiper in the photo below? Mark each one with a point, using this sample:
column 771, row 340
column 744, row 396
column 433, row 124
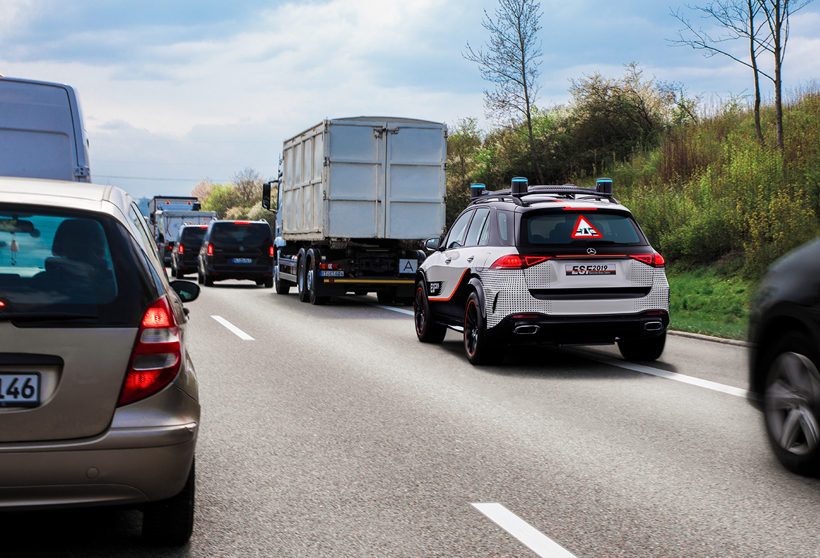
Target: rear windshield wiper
column 600, row 242
column 43, row 316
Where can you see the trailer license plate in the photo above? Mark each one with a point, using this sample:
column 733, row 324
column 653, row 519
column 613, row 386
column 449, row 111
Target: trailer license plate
column 19, row 390
column 339, row 273
column 242, row 260
column 591, row 269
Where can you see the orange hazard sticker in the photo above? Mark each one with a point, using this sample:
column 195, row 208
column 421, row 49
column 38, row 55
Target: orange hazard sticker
column 583, row 229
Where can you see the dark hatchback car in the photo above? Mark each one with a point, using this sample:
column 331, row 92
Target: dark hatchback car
column 236, row 250
column 784, row 329
column 185, row 252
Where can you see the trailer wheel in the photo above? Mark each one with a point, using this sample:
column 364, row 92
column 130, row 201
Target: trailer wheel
column 301, row 279
column 312, row 280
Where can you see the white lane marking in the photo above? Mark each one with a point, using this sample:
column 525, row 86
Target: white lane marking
column 392, row 309
column 241, row 334
column 714, row 386
column 531, row 537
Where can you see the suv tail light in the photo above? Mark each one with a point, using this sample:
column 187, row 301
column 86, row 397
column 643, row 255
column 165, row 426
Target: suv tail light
column 210, row 249
column 271, row 251
column 655, row 260
column 157, row 354
column 180, row 249
column 514, row 261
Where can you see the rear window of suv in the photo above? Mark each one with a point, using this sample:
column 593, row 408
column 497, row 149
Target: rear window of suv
column 249, row 235
column 71, row 267
column 192, row 235
column 591, row 227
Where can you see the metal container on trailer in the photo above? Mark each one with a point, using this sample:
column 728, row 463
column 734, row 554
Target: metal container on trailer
column 365, row 178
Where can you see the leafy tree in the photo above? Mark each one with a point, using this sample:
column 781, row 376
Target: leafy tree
column 222, row 198
column 249, row 185
column 510, row 62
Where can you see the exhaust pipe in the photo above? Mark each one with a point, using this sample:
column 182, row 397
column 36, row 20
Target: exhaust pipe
column 526, row 330
column 653, row 326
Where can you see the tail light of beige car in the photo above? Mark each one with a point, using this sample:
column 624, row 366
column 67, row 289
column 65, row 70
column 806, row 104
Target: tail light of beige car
column 157, row 356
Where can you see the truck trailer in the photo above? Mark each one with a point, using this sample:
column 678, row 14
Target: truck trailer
column 166, row 214
column 354, row 199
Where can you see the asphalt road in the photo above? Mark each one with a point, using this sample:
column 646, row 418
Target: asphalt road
column 334, row 432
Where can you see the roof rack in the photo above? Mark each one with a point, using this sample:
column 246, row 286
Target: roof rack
column 520, row 187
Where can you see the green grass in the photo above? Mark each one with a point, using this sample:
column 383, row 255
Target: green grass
column 703, row 300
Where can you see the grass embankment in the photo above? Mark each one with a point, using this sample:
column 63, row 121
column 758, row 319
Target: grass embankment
column 709, row 302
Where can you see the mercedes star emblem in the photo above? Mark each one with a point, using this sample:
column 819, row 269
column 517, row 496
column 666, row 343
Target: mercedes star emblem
column 591, row 251
column 242, row 249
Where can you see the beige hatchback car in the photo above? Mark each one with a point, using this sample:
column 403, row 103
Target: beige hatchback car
column 98, row 397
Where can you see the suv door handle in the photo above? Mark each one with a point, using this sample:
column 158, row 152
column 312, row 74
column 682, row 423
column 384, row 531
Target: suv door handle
column 447, row 261
column 470, row 259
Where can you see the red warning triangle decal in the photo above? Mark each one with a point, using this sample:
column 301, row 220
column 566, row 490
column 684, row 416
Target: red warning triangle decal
column 583, row 229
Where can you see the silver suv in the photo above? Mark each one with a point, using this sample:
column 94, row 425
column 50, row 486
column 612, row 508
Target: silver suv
column 98, row 397
column 549, row 264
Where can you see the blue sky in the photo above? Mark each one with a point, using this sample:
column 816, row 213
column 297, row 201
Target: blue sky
column 181, row 90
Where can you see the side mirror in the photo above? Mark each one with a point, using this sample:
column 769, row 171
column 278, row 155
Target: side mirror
column 432, row 244
column 186, row 290
column 266, row 192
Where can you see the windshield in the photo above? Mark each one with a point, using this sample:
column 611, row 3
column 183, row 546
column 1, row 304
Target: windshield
column 67, row 264
column 586, row 228
column 192, row 235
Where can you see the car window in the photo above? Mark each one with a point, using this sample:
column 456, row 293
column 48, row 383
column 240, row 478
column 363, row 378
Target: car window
column 248, row 235
column 192, row 235
column 456, row 237
column 505, row 228
column 139, row 223
column 69, row 263
column 477, row 226
column 574, row 228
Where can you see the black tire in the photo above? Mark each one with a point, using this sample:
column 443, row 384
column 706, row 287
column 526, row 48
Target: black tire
column 259, row 282
column 179, row 274
column 385, row 297
column 360, row 292
column 643, row 350
column 426, row 329
column 301, row 280
column 477, row 346
column 282, row 286
column 199, row 277
column 170, row 522
column 209, row 281
column 312, row 274
column 268, row 282
column 791, row 403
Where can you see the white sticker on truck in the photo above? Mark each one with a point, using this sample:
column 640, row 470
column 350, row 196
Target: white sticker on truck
column 408, row 266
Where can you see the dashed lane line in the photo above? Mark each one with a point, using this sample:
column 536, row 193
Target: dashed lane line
column 528, row 535
column 239, row 333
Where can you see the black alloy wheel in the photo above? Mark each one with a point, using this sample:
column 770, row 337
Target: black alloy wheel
column 426, row 330
column 478, row 348
column 791, row 403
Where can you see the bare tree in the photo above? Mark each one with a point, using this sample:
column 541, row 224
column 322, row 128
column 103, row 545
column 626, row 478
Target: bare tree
column 202, row 189
column 737, row 17
column 777, row 14
column 249, row 185
column 510, row 63
column 769, row 33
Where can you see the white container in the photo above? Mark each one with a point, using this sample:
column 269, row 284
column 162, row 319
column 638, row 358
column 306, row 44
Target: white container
column 365, row 177
column 41, row 131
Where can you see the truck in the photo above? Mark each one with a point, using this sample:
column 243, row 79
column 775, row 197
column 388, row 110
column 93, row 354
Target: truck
column 167, row 214
column 354, row 199
column 42, row 134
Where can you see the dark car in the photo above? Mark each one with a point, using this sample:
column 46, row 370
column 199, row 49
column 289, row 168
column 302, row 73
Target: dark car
column 784, row 329
column 236, row 250
column 185, row 252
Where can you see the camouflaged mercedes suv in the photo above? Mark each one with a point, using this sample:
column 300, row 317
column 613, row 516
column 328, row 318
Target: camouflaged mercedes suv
column 549, row 264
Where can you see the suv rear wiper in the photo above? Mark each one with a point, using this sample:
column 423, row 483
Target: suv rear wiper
column 600, row 242
column 43, row 317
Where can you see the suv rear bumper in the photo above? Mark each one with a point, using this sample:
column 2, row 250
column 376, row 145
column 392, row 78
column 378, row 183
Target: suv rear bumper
column 251, row 272
column 541, row 328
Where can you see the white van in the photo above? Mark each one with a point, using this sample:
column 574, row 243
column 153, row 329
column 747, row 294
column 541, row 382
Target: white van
column 41, row 131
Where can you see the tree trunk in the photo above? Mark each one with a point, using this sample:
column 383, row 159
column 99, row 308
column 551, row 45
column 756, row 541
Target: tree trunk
column 758, row 129
column 778, row 62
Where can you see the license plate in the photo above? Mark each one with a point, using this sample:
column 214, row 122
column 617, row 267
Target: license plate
column 18, row 389
column 591, row 269
column 242, row 260
column 339, row 273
